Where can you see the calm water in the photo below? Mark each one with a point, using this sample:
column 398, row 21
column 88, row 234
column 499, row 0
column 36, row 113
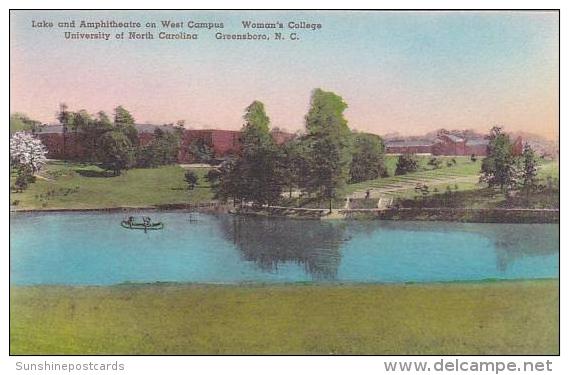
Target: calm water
column 92, row 249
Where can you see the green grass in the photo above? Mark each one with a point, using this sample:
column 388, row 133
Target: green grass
column 390, row 162
column 80, row 186
column 548, row 168
column 519, row 317
column 464, row 168
column 72, row 185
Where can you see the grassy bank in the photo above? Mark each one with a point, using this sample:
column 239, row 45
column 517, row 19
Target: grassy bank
column 463, row 215
column 66, row 185
column 519, row 317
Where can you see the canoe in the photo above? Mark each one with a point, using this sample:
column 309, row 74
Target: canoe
column 153, row 226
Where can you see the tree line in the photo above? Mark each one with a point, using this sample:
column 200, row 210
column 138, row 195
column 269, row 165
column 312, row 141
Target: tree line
column 317, row 163
column 114, row 143
column 507, row 170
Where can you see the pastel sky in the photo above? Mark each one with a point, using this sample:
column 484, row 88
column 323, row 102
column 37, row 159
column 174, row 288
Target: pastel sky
column 406, row 72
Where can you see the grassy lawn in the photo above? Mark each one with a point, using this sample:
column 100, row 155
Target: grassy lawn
column 462, row 170
column 464, row 167
column 67, row 185
column 471, row 193
column 73, row 185
column 518, row 317
column 477, row 195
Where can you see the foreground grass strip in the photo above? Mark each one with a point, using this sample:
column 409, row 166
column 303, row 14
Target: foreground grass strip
column 518, row 317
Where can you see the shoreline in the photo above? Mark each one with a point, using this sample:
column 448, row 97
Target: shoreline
column 263, row 284
column 464, row 215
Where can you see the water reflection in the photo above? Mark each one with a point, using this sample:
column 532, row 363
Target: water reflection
column 510, row 241
column 317, row 245
column 91, row 249
column 270, row 242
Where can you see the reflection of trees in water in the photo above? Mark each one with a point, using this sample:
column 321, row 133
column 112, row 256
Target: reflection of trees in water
column 272, row 241
column 531, row 240
column 511, row 241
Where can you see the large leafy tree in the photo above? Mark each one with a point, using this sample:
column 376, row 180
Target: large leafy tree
column 229, row 183
column 117, row 152
column 162, row 150
column 295, row 164
column 254, row 174
column 258, row 161
column 124, row 122
column 27, row 156
column 98, row 127
column 367, row 158
column 329, row 140
column 27, row 151
column 498, row 168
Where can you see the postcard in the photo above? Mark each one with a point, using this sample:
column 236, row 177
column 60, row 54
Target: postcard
column 264, row 182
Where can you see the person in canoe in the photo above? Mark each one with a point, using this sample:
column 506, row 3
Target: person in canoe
column 146, row 224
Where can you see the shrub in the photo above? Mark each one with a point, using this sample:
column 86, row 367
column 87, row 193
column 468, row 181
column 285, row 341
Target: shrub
column 406, row 163
column 191, row 179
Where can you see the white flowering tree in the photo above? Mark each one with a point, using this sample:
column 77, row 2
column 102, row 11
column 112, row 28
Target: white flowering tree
column 27, row 152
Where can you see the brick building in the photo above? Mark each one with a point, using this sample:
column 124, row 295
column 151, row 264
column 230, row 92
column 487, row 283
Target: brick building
column 60, row 146
column 223, row 142
column 448, row 144
column 63, row 145
column 444, row 144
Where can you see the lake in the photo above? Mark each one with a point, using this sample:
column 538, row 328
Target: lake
column 82, row 248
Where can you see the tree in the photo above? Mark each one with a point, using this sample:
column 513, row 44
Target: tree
column 117, row 152
column 295, row 164
column 65, row 118
column 213, row 176
column 498, row 168
column 191, row 179
column 367, row 158
column 82, row 121
column 27, row 151
column 406, row 163
column 529, row 170
column 24, row 178
column 329, row 142
column 257, row 164
column 91, row 130
column 230, row 183
column 162, row 150
column 27, row 156
column 125, row 123
column 201, row 151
